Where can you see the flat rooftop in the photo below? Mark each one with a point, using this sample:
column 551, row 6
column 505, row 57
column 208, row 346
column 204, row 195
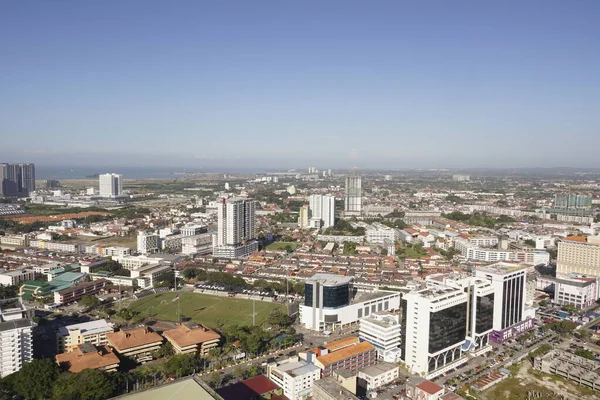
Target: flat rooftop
column 87, row 328
column 189, row 388
column 297, row 368
column 330, row 279
column 362, row 297
column 334, row 389
column 379, row 368
column 501, row 268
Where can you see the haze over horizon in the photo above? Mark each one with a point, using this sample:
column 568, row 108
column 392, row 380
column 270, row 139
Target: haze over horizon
column 269, row 84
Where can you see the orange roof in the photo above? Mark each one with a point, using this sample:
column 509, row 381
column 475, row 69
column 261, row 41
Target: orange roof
column 346, row 352
column 340, row 344
column 429, row 387
column 184, row 336
column 85, row 357
column 126, row 339
column 577, row 238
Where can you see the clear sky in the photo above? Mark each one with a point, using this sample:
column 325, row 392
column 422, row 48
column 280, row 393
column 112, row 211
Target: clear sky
column 328, row 83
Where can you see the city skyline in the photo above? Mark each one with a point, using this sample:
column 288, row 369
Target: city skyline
column 400, row 85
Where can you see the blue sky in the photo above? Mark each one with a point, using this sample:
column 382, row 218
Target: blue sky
column 341, row 84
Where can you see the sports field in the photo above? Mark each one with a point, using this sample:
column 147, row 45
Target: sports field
column 212, row 311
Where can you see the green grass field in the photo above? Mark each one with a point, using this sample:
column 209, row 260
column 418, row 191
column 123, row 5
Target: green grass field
column 282, row 245
column 213, row 311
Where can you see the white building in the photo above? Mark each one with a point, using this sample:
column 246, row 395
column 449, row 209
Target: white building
column 382, row 330
column 322, row 209
column 17, row 277
column 578, row 292
column 236, row 233
column 57, row 246
column 526, row 256
column 110, row 185
column 303, row 217
column 295, row 377
column 193, row 230
column 94, row 332
column 328, row 304
column 378, row 375
column 16, row 345
column 147, row 275
column 578, row 255
column 147, row 243
column 135, row 262
column 378, row 233
column 197, row 244
column 508, row 281
column 353, row 195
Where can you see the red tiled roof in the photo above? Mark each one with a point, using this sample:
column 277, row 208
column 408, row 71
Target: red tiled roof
column 260, row 384
column 429, row 387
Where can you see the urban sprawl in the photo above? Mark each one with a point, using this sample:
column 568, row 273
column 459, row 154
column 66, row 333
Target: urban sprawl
column 312, row 284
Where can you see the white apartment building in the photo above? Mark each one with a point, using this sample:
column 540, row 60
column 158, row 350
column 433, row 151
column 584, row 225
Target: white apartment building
column 378, row 233
column 378, row 375
column 236, row 233
column 484, row 241
column 17, row 277
column 116, row 251
column 56, row 246
column 578, row 256
column 111, row 185
column 45, row 269
column 71, row 336
column 382, row 329
column 16, row 347
column 472, row 252
column 135, row 262
column 578, row 292
column 322, row 210
column 15, row 240
column 295, row 377
column 147, row 243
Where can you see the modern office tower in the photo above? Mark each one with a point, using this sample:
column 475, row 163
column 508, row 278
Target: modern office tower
column 382, row 330
column 147, row 243
column 15, row 336
column 353, row 195
column 578, row 255
column 236, row 232
column 17, row 180
column 511, row 316
column 303, row 217
column 110, row 185
column 322, row 210
column 434, row 325
column 327, row 303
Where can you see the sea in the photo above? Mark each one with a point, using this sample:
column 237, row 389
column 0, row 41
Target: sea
column 73, row 172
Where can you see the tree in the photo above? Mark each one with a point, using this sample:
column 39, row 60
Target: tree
column 36, row 379
column 239, row 373
column 279, row 319
column 543, row 303
column 252, row 371
column 165, row 350
column 123, row 272
column 590, row 355
column 125, row 314
column 89, row 384
column 215, row 380
column 570, row 308
column 90, row 301
column 190, row 273
column 181, row 365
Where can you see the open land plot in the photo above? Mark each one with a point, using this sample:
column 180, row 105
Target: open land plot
column 282, row 245
column 529, row 383
column 213, row 311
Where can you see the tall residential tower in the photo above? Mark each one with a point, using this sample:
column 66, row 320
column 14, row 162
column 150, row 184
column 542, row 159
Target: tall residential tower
column 110, row 185
column 17, row 180
column 353, row 195
column 236, row 232
column 322, row 211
